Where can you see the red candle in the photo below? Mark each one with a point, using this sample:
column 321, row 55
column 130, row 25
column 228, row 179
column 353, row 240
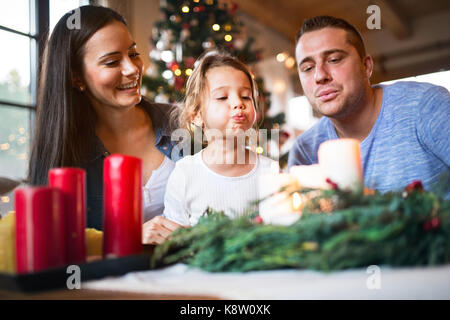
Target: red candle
column 40, row 232
column 72, row 183
column 122, row 219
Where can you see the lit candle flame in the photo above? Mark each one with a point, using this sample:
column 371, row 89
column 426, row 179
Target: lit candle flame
column 297, row 201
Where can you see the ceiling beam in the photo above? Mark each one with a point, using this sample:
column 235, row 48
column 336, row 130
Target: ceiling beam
column 266, row 13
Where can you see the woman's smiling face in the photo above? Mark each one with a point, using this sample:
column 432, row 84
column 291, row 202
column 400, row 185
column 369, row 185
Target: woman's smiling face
column 112, row 69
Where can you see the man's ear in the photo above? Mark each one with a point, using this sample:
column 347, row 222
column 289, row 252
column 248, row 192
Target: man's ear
column 368, row 66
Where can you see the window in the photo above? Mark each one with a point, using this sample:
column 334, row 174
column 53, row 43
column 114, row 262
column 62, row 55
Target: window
column 440, row 78
column 58, row 8
column 22, row 24
column 19, row 36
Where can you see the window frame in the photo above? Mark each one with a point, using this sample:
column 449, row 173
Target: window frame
column 39, row 24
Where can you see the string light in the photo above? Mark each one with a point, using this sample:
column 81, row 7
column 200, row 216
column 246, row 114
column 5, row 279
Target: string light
column 209, row 2
column 167, row 56
column 227, row 27
column 177, row 72
column 281, row 57
column 196, row 1
column 185, row 9
column 188, row 71
column 215, row 27
column 228, row 37
column 167, row 74
column 259, row 150
column 290, row 62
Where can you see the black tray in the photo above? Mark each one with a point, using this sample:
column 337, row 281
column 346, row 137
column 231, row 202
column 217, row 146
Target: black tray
column 57, row 277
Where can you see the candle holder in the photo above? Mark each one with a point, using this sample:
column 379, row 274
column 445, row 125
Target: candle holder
column 122, row 225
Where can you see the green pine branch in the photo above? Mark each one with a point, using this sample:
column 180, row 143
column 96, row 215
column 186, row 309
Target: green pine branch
column 395, row 229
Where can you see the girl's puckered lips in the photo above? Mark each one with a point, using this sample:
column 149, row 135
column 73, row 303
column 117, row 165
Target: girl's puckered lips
column 240, row 117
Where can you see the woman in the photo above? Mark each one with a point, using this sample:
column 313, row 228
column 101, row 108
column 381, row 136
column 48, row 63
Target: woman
column 90, row 106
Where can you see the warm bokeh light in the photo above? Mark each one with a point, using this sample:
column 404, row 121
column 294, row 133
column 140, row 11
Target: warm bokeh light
column 5, row 199
column 279, row 86
column 290, row 62
column 167, row 74
column 281, row 57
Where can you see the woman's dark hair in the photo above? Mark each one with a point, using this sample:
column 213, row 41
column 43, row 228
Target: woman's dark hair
column 65, row 118
column 320, row 22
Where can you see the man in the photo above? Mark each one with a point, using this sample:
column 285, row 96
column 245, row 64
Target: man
column 403, row 128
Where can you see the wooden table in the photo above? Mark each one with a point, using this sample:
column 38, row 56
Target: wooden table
column 85, row 294
column 88, row 294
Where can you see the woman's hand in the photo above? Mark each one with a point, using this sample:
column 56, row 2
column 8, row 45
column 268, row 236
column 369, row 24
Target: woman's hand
column 157, row 230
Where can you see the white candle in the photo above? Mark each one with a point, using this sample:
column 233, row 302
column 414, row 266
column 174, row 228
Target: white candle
column 340, row 161
column 278, row 207
column 309, row 176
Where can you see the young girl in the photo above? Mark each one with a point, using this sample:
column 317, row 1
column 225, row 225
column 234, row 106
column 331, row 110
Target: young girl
column 221, row 98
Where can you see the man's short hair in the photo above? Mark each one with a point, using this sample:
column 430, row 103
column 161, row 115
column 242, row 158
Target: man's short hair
column 320, row 22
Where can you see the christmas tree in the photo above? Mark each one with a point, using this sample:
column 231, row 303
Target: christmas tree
column 186, row 30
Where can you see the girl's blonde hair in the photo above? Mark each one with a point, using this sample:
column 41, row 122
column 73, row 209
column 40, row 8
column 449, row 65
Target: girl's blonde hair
column 196, row 84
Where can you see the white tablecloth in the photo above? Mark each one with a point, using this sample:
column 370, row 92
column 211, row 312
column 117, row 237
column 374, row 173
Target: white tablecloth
column 395, row 283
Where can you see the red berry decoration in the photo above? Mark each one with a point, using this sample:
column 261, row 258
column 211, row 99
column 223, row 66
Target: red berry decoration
column 435, row 222
column 415, row 186
column 333, row 184
column 432, row 224
column 258, row 220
